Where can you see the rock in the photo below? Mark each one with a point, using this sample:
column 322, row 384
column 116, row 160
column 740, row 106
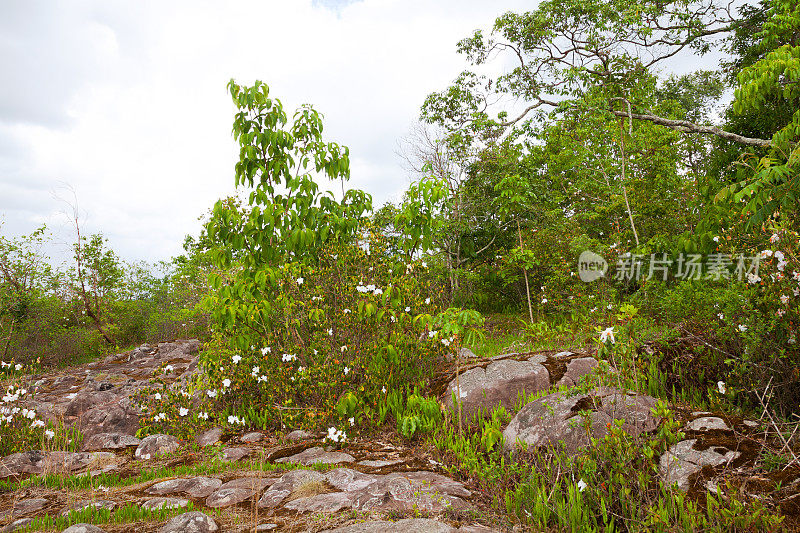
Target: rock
column 83, row 528
column 410, row 491
column 29, row 462
column 210, row 437
column 707, row 423
column 89, row 504
column 317, row 455
column 266, row 527
column 379, row 463
column 576, row 369
column 109, row 441
column 191, row 522
column 682, row 460
column 349, row 480
column 229, row 496
column 408, row 525
column 28, row 506
column 253, row 436
column 16, row 524
column 299, row 434
column 560, row 419
column 500, row 383
column 164, row 503
column 234, row 454
column 196, row 487
column 251, row 482
column 322, row 503
column 286, row 485
column 466, row 353
column 155, row 445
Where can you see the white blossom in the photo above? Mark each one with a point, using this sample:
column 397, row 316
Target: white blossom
column 607, row 334
column 721, row 387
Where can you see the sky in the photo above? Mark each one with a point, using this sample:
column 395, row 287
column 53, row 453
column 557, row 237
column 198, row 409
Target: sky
column 121, row 107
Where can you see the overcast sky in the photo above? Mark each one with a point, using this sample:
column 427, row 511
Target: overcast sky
column 125, row 102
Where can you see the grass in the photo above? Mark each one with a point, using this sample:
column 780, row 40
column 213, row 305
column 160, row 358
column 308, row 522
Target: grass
column 126, row 514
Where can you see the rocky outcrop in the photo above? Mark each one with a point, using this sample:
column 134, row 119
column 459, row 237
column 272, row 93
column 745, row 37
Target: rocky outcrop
column 569, row 421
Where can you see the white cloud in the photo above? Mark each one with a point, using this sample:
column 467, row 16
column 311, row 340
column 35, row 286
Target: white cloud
column 127, row 103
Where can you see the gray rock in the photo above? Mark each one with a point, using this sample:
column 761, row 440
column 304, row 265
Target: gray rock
column 155, row 445
column 83, row 528
column 28, row 506
column 251, row 482
column 410, row 491
column 229, row 496
column 16, row 524
column 329, row 503
column 109, row 441
column 349, row 480
column 299, row 434
column 408, row 525
column 164, row 503
column 89, row 504
column 29, row 462
column 191, row 522
column 210, row 437
column 706, row 423
column 576, row 369
column 560, row 419
column 317, row 455
column 500, row 383
column 266, row 527
column 253, row 436
column 235, row 454
column 379, row 463
column 682, row 460
column 286, row 485
column 196, row 487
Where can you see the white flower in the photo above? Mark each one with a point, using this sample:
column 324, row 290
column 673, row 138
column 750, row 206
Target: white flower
column 346, row 370
column 408, row 309
column 778, row 255
column 775, row 238
column 183, row 411
column 256, row 370
column 300, row 281
column 721, row 387
column 377, row 292
column 432, row 333
column 383, row 389
column 447, row 342
column 333, row 434
column 169, row 368
column 330, row 332
column 287, row 357
column 37, row 424
column 49, row 433
column 716, row 239
column 593, row 309
column 607, row 334
column 203, row 415
column 792, row 339
column 211, row 393
column 157, row 396
column 343, row 348
column 352, row 421
column 300, row 368
column 796, row 291
column 544, row 300
column 18, row 367
column 266, row 350
column 721, row 316
column 781, row 312
column 226, row 383
column 236, row 359
column 782, row 265
column 582, row 485
column 427, row 300
column 610, row 306
column 753, row 278
column 784, row 299
column 4, row 364
column 361, row 288
column 424, row 264
column 232, row 419
column 742, row 328
column 346, row 311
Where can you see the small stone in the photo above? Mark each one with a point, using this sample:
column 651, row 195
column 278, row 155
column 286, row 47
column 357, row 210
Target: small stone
column 408, row 525
column 251, row 482
column 29, row 506
column 380, row 463
column 191, row 522
column 329, row 503
column 210, row 437
column 228, row 497
column 89, row 504
column 109, row 441
column 682, row 460
column 83, row 528
column 234, row 454
column 253, row 436
column 317, row 455
column 266, row 527
column 707, row 423
column 299, row 434
column 155, row 445
column 164, row 503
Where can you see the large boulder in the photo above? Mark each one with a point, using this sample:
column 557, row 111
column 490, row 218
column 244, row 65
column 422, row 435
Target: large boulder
column 561, row 419
column 500, row 382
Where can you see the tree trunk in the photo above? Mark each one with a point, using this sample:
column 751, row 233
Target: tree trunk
column 525, row 273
